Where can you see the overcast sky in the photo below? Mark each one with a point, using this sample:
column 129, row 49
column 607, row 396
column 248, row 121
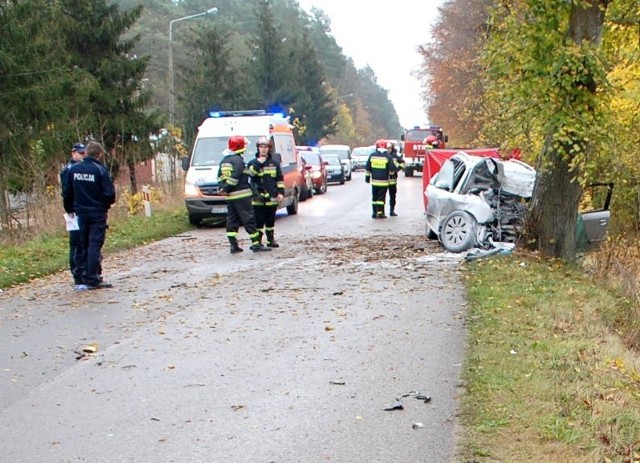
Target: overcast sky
column 386, row 39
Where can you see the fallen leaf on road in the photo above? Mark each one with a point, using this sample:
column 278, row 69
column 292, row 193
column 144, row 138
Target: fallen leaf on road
column 90, row 348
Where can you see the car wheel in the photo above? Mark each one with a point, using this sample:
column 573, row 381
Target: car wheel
column 349, row 177
column 323, row 189
column 292, row 209
column 310, row 192
column 459, row 231
column 408, row 172
column 304, row 194
column 195, row 221
column 342, row 180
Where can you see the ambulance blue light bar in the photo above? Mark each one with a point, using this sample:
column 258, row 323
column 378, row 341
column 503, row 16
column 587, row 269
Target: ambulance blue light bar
column 250, row 112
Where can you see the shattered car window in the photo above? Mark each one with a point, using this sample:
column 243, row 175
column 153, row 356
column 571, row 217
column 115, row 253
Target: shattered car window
column 450, row 175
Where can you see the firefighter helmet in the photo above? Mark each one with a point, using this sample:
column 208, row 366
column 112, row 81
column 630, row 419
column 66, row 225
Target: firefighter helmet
column 262, row 141
column 432, row 140
column 237, row 144
column 381, row 144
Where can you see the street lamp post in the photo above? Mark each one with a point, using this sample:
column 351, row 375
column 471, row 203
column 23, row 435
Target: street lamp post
column 213, row 10
column 342, row 97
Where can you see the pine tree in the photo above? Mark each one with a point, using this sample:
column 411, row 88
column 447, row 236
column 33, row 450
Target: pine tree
column 314, row 108
column 116, row 101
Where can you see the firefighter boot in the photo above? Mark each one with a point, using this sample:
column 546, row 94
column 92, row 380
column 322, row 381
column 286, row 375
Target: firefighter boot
column 381, row 212
column 271, row 242
column 234, row 245
column 258, row 247
column 374, row 215
column 260, row 237
column 392, row 212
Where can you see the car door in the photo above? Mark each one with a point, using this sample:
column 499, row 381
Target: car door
column 595, row 214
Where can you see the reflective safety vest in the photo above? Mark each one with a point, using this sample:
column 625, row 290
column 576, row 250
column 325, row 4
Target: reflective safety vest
column 379, row 168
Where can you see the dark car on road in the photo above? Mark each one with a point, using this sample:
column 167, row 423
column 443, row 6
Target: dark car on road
column 335, row 169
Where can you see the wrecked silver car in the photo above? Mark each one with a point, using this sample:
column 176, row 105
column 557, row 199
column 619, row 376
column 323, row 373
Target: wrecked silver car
column 474, row 201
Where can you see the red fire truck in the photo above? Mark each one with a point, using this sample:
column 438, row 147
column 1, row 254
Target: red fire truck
column 415, row 143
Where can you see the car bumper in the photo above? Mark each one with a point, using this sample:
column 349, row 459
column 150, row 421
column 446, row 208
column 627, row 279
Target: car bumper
column 206, row 207
column 335, row 178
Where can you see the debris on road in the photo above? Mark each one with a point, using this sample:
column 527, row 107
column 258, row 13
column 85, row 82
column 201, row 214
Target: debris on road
column 397, row 405
column 85, row 351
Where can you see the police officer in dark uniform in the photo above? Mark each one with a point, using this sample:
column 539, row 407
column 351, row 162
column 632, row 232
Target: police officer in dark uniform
column 378, row 169
column 233, row 177
column 89, row 193
column 267, row 185
column 393, row 176
column 76, row 264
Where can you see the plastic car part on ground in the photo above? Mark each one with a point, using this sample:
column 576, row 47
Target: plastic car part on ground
column 398, row 405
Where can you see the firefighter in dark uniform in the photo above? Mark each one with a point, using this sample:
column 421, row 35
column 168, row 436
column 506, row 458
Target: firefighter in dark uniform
column 89, row 194
column 233, row 177
column 267, row 185
column 393, row 177
column 76, row 264
column 378, row 169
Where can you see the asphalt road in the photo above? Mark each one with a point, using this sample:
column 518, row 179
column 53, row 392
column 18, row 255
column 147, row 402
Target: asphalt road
column 197, row 355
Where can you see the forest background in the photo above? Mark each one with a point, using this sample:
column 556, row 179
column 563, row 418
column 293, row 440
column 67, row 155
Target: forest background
column 79, row 70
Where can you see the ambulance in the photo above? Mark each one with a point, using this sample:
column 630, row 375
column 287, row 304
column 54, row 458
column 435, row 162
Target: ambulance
column 201, row 190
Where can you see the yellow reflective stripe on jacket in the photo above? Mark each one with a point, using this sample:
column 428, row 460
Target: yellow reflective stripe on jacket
column 266, row 203
column 270, row 170
column 239, row 194
column 253, row 172
column 226, row 169
column 375, row 182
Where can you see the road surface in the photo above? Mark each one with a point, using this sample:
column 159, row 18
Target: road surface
column 197, row 355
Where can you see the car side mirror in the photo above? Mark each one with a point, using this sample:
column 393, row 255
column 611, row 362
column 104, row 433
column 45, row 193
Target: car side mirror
column 308, row 167
column 184, row 161
column 325, row 163
column 443, row 185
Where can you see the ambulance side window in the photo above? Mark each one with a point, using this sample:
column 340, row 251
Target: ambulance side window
column 283, row 145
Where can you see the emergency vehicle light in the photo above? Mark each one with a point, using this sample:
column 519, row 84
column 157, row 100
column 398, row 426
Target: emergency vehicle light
column 250, row 112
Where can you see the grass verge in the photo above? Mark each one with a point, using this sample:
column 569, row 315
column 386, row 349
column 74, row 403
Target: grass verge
column 49, row 253
column 548, row 378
